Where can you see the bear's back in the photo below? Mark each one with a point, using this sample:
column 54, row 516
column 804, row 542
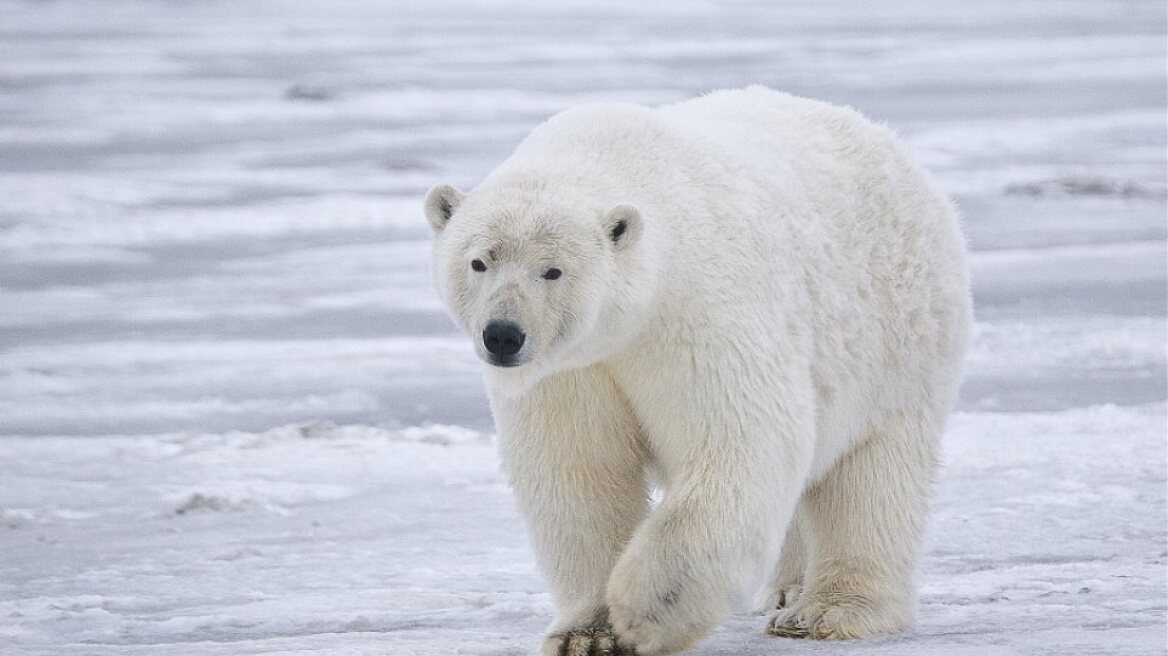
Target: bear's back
column 773, row 130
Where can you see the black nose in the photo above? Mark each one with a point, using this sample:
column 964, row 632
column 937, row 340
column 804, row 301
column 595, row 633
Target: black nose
column 503, row 338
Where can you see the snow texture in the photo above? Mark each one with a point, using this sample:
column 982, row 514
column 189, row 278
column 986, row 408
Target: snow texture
column 234, row 419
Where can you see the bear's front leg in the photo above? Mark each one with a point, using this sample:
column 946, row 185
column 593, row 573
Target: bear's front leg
column 576, row 463
column 689, row 562
column 732, row 484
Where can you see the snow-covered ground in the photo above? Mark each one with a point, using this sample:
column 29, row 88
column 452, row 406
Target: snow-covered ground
column 234, row 419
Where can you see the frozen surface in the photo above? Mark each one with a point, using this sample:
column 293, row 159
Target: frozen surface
column 234, row 419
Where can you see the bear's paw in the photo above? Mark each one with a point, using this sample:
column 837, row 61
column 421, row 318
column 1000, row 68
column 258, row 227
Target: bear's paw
column 839, row 618
column 590, row 641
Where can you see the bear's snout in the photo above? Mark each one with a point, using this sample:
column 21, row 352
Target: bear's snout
column 503, row 340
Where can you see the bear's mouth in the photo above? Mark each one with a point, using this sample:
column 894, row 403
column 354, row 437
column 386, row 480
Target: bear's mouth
column 505, row 362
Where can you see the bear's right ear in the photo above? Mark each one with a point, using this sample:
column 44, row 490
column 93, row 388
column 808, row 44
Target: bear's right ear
column 441, row 202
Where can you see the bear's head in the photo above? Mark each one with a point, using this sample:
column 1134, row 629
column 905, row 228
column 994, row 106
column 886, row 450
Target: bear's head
column 539, row 281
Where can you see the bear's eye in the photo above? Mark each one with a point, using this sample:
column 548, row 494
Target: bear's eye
column 552, row 274
column 478, row 265
column 618, row 230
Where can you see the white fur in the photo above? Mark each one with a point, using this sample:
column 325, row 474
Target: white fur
column 777, row 335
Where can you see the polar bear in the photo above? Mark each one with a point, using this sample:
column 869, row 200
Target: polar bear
column 753, row 302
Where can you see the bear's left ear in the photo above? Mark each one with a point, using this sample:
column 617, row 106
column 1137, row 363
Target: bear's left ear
column 623, row 226
column 441, row 202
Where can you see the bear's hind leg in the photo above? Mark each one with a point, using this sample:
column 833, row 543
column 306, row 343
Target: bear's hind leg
column 863, row 524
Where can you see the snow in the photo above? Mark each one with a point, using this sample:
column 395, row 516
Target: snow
column 234, row 419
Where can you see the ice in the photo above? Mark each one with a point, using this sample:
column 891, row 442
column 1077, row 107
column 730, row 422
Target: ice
column 1047, row 538
column 234, row 418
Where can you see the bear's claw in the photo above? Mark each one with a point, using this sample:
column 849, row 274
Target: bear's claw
column 594, row 641
column 833, row 619
column 783, row 630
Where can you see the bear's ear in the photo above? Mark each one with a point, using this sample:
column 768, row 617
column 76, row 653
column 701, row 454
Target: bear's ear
column 441, row 202
column 623, row 226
